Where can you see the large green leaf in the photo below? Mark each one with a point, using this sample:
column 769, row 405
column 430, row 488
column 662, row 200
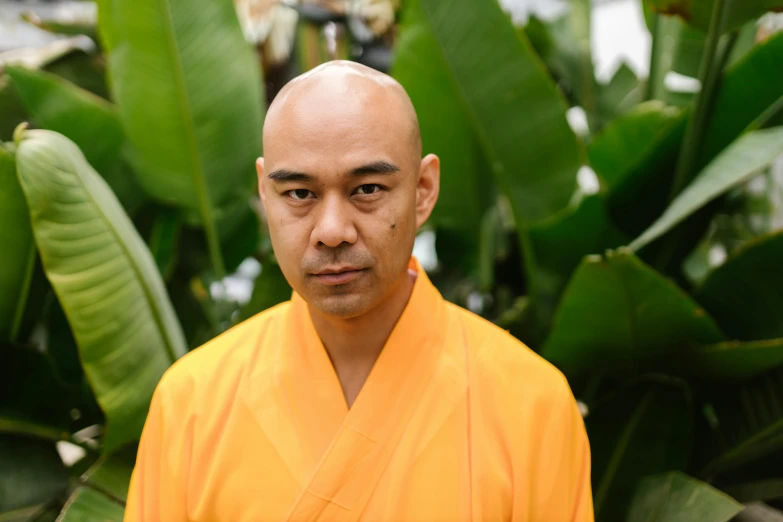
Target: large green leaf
column 639, row 430
column 748, row 89
column 745, row 294
column 735, row 12
column 734, row 360
column 513, row 105
column 616, row 150
column 88, row 505
column 557, row 246
column 16, row 270
column 445, row 129
column 104, row 277
column 90, row 122
column 86, row 119
column 676, row 497
column 741, row 160
column 187, row 85
column 617, row 310
column 112, row 474
column 31, row 473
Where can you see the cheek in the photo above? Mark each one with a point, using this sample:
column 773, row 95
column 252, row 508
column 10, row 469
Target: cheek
column 289, row 235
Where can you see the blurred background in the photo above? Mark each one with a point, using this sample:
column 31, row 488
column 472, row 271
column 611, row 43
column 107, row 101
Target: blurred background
column 612, row 194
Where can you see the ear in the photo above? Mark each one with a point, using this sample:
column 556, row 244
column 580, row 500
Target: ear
column 260, row 173
column 428, row 188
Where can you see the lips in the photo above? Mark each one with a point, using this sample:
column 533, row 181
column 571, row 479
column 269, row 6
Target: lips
column 338, row 275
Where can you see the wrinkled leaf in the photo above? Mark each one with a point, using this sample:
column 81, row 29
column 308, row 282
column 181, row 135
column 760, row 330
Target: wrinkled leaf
column 86, row 119
column 617, row 310
column 736, row 164
column 514, row 107
column 16, row 270
column 105, row 278
column 745, row 294
column 676, row 497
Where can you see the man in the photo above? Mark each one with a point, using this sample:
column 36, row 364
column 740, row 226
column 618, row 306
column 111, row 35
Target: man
column 367, row 396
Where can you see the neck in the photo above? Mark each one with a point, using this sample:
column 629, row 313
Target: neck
column 354, row 344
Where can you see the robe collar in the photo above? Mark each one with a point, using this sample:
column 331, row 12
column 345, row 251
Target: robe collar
column 295, row 392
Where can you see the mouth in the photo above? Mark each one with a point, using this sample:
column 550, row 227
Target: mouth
column 338, row 275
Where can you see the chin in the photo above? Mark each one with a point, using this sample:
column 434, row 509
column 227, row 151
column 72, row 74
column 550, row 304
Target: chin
column 342, row 306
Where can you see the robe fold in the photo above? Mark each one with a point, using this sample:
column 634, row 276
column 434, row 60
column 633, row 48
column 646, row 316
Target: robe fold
column 457, row 421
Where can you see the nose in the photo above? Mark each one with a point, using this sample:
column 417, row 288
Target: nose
column 334, row 224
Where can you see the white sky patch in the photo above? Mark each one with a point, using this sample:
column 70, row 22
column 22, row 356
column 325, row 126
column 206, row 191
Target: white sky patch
column 424, row 250
column 577, row 120
column 677, row 82
column 717, row 255
column 587, row 180
column 619, row 34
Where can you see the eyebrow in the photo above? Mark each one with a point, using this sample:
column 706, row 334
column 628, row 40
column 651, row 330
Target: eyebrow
column 376, row 167
column 283, row 176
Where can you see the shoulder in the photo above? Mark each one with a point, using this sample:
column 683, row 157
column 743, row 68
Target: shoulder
column 222, row 360
column 507, row 366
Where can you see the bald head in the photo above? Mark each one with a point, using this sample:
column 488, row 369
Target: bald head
column 340, row 90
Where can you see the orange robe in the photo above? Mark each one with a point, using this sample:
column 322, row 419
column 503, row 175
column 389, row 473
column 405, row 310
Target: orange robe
column 457, row 421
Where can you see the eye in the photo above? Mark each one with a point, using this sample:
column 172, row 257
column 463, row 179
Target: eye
column 370, row 188
column 299, row 194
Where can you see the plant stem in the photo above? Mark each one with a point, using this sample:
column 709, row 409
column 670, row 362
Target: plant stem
column 210, row 229
column 709, row 73
column 652, row 78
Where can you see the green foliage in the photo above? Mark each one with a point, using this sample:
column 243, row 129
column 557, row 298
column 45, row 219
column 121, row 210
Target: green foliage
column 182, row 118
column 124, row 215
column 616, row 311
column 104, row 276
column 508, row 98
column 745, row 294
column 698, row 12
column 675, row 497
column 15, row 272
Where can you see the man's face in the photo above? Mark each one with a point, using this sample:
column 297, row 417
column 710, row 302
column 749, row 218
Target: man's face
column 339, row 185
